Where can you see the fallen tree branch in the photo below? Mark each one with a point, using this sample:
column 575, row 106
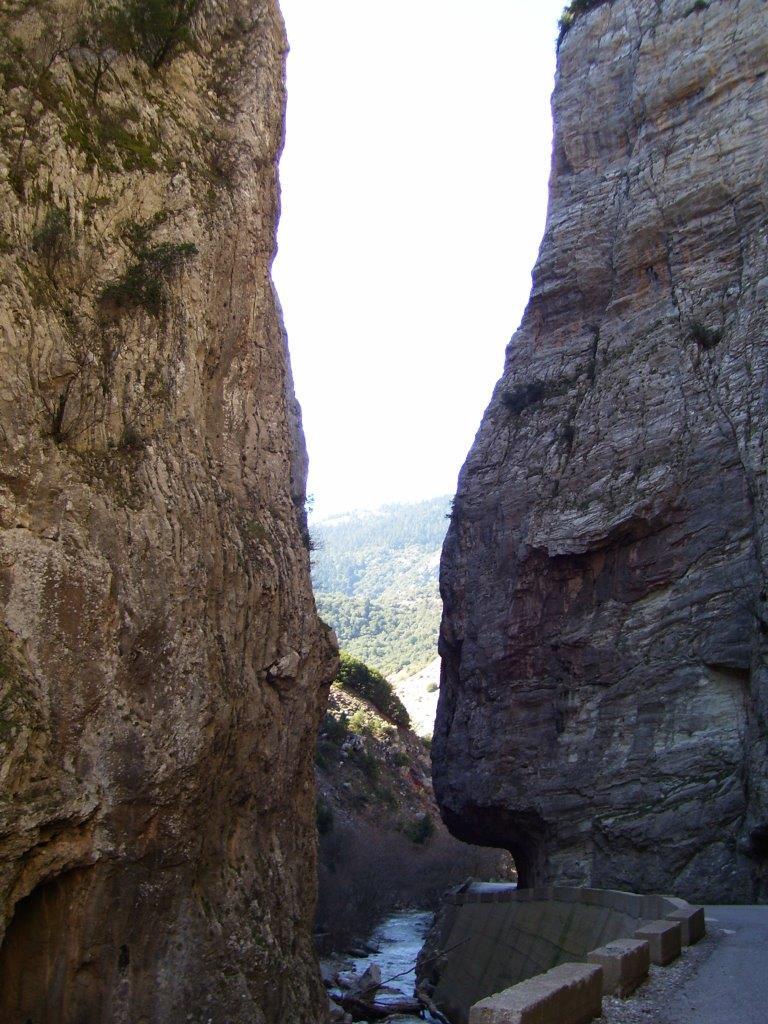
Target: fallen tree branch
column 424, row 999
column 361, row 1010
column 358, row 1005
column 386, row 981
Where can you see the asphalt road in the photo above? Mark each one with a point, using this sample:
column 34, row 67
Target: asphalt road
column 731, row 987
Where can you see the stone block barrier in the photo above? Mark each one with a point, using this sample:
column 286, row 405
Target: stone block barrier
column 665, row 939
column 625, row 964
column 692, row 923
column 496, row 936
column 568, row 994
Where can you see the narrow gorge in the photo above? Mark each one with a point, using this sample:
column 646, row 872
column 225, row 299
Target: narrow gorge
column 604, row 696
column 162, row 668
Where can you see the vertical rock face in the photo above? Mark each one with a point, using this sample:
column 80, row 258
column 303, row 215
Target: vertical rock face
column 162, row 667
column 604, row 697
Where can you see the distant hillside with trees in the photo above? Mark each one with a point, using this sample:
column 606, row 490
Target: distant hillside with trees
column 375, row 577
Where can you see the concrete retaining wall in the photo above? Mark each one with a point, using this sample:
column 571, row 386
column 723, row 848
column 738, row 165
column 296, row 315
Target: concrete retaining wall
column 496, row 936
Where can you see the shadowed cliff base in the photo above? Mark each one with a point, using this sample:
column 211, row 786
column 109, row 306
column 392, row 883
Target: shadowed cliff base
column 521, row 832
column 604, row 696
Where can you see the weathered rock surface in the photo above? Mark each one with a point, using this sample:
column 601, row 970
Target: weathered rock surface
column 604, row 696
column 162, row 667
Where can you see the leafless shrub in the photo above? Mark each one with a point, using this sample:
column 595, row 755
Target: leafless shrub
column 366, row 873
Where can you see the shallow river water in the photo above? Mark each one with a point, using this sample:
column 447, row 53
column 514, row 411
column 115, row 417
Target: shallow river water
column 398, row 939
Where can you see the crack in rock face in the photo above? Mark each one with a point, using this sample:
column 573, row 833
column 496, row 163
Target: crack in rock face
column 163, row 670
column 604, row 699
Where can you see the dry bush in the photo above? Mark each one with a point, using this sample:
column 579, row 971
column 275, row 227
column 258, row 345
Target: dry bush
column 364, row 874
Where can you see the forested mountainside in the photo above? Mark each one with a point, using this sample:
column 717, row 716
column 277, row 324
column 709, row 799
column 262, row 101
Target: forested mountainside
column 375, row 579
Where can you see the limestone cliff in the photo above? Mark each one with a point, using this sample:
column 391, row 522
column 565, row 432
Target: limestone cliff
column 162, row 667
column 604, row 697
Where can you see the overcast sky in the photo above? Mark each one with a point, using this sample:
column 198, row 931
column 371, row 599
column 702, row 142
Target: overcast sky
column 414, row 184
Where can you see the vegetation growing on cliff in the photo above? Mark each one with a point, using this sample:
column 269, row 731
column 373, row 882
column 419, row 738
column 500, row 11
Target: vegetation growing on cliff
column 84, row 95
column 356, row 677
column 66, row 70
column 143, row 281
column 577, row 7
column 382, row 845
column 51, row 240
column 152, row 29
column 572, row 12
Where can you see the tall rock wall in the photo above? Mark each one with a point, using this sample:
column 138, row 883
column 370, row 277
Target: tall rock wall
column 162, row 667
column 604, row 700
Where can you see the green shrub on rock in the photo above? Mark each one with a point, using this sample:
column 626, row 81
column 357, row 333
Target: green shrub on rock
column 705, row 337
column 151, row 29
column 52, row 239
column 335, row 729
column 358, row 723
column 356, row 677
column 367, row 763
column 572, row 12
column 143, row 282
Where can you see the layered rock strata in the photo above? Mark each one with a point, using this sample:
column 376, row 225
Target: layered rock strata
column 162, row 666
column 604, row 700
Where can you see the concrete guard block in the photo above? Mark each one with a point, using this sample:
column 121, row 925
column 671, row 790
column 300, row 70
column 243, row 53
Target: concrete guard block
column 665, row 939
column 625, row 964
column 692, row 923
column 568, row 994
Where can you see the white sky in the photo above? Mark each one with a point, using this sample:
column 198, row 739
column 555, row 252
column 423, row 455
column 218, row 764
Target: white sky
column 414, row 184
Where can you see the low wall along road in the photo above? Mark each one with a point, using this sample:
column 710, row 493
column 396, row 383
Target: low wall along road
column 496, row 936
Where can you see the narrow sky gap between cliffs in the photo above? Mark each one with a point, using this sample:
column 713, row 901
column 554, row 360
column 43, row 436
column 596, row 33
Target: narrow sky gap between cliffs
column 414, row 183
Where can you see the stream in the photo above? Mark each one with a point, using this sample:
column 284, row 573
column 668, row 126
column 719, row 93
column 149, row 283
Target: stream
column 396, row 943
column 398, row 940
